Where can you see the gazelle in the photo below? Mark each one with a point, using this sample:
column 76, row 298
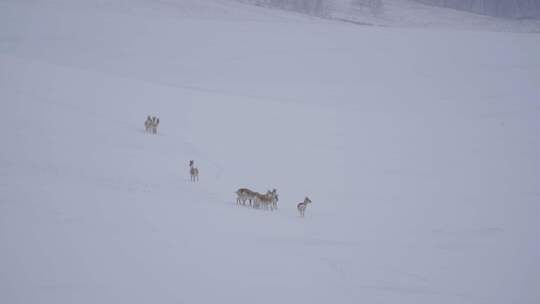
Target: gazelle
column 266, row 200
column 244, row 194
column 303, row 205
column 193, row 172
column 275, row 198
column 155, row 124
column 148, row 124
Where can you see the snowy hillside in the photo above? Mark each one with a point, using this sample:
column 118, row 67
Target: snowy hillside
column 419, row 150
column 405, row 13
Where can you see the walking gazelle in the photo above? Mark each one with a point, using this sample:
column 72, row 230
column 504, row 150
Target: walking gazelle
column 193, row 172
column 302, row 206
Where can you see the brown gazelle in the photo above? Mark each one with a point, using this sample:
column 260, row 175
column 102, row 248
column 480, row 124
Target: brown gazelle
column 155, row 124
column 151, row 124
column 244, row 194
column 302, row 206
column 264, row 200
column 275, row 198
column 193, row 172
column 148, row 124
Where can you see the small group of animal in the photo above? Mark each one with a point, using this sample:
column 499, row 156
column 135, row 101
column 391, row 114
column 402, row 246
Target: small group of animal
column 151, row 124
column 193, row 171
column 256, row 200
column 268, row 200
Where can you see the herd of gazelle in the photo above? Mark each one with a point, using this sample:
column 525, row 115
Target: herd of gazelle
column 267, row 201
column 255, row 199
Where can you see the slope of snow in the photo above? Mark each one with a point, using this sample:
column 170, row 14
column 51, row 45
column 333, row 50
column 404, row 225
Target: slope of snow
column 418, row 148
column 412, row 14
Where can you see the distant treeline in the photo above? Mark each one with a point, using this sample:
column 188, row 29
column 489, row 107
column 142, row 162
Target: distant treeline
column 517, row 9
column 312, row 7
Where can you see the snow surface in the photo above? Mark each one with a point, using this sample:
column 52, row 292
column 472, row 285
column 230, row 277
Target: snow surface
column 419, row 150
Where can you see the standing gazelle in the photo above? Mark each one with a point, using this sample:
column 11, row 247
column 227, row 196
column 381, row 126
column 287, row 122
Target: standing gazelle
column 151, row 124
column 302, row 206
column 148, row 124
column 193, row 172
column 275, row 198
column 155, row 124
column 265, row 201
column 244, row 194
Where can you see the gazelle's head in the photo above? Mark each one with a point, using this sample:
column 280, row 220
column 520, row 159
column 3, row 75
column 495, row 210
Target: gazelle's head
column 148, row 118
column 191, row 163
column 307, row 200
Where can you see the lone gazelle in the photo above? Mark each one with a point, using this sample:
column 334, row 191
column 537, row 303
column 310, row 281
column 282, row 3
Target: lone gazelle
column 193, row 172
column 302, row 206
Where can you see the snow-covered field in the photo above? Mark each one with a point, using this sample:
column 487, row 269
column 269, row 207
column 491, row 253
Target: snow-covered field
column 419, row 149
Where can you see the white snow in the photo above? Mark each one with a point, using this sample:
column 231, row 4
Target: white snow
column 419, row 150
